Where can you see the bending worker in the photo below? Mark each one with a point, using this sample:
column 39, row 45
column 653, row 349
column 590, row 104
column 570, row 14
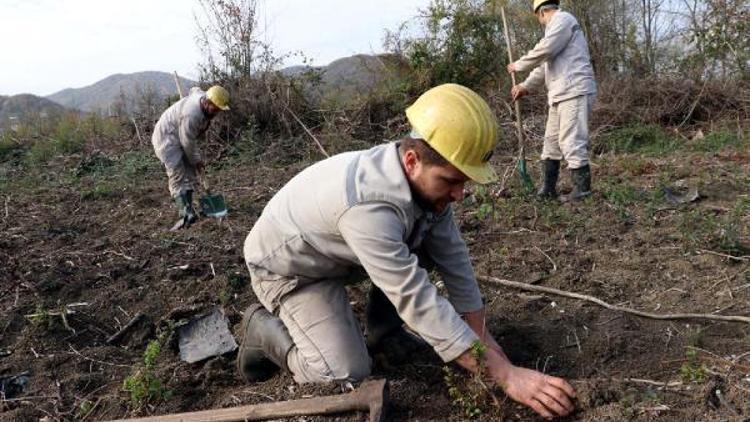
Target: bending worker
column 386, row 210
column 561, row 60
column 175, row 141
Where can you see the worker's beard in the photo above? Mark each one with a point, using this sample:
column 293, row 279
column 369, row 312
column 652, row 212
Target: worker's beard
column 207, row 114
column 425, row 203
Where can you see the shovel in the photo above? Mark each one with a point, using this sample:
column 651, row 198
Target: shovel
column 523, row 171
column 211, row 205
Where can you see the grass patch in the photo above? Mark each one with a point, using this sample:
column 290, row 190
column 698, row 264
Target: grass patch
column 644, row 139
column 717, row 140
column 721, row 233
column 137, row 163
column 96, row 165
column 100, row 191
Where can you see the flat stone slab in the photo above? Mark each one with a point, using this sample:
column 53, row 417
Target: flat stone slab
column 205, row 337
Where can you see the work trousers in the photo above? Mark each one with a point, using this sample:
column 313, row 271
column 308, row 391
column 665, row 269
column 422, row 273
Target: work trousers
column 181, row 178
column 567, row 132
column 328, row 342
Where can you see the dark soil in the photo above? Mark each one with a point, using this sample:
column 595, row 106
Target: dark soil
column 71, row 234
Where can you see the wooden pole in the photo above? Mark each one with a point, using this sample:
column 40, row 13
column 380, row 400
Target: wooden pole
column 177, row 83
column 519, row 128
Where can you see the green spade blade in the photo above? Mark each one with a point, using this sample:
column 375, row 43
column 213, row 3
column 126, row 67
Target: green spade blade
column 528, row 184
column 213, row 205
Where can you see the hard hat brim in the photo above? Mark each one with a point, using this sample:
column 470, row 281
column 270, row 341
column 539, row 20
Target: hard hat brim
column 483, row 174
column 223, row 108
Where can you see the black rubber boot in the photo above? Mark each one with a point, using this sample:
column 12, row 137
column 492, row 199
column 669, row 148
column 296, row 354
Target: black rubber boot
column 387, row 338
column 265, row 345
column 550, row 173
column 382, row 317
column 184, row 202
column 581, row 178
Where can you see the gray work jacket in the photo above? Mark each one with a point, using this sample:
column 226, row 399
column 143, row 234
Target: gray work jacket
column 355, row 210
column 178, row 129
column 564, row 54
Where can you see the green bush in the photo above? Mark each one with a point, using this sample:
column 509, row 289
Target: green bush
column 41, row 151
column 67, row 137
column 95, row 126
column 459, row 42
column 646, row 139
column 7, row 146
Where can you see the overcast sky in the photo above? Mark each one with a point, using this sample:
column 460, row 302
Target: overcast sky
column 49, row 45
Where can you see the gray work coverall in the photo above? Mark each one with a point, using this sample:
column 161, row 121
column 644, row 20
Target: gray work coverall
column 175, row 140
column 571, row 89
column 351, row 212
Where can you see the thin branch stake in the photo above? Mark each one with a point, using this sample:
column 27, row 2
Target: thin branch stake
column 587, row 298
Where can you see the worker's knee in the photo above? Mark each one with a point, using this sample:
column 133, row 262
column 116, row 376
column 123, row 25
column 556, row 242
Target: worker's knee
column 352, row 368
column 358, row 369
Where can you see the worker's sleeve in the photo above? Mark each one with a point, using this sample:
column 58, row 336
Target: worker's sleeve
column 375, row 234
column 448, row 251
column 556, row 37
column 535, row 80
column 189, row 139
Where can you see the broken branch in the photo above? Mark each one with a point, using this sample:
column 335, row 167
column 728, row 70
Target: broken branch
column 587, row 298
column 116, row 337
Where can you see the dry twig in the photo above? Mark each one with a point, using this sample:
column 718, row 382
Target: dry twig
column 76, row 352
column 587, row 298
column 554, row 266
column 723, row 255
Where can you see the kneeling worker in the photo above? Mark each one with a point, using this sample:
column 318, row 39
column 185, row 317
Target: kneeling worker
column 380, row 210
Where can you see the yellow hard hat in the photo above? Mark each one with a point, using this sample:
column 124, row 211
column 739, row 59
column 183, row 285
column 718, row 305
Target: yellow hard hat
column 219, row 96
column 457, row 123
column 540, row 3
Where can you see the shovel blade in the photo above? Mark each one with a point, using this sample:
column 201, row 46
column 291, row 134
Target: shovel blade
column 523, row 172
column 213, row 206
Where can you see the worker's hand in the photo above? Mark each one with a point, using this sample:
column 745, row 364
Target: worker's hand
column 512, row 68
column 518, row 91
column 548, row 396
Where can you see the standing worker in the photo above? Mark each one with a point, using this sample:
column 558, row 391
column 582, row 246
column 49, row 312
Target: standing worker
column 387, row 211
column 175, row 141
column 571, row 90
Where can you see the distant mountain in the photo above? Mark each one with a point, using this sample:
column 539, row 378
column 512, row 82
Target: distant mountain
column 17, row 108
column 101, row 95
column 349, row 79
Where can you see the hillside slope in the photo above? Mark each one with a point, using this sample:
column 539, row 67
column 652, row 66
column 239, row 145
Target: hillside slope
column 102, row 94
column 18, row 107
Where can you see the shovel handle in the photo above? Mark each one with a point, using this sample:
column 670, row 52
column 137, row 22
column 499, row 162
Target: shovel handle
column 204, row 181
column 519, row 126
